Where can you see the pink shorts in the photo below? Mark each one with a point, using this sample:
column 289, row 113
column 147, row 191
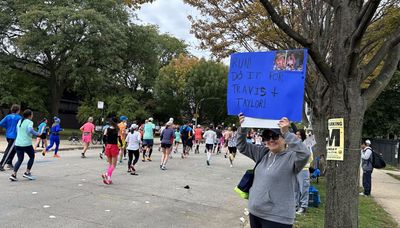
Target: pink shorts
column 87, row 138
column 112, row 150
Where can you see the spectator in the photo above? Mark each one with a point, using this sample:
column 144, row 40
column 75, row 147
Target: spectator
column 366, row 165
column 271, row 197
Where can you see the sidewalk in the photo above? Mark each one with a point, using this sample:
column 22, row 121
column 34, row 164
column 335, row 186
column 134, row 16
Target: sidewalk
column 386, row 192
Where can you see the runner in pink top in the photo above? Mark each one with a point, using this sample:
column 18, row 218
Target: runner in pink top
column 87, row 131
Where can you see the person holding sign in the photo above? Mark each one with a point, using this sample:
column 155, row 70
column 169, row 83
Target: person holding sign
column 271, row 197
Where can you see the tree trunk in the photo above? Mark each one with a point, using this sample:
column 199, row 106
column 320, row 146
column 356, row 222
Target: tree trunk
column 343, row 176
column 57, row 89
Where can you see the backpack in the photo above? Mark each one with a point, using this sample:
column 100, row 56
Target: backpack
column 314, row 199
column 377, row 160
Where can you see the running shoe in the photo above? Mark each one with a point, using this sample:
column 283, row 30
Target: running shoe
column 44, row 152
column 160, row 166
column 182, row 156
column 149, row 159
column 2, row 168
column 208, row 162
column 83, row 155
column 163, row 168
column 101, row 155
column 133, row 168
column 125, row 158
column 28, row 176
column 104, row 176
column 231, row 166
column 13, row 177
column 10, row 166
column 56, row 156
column 129, row 171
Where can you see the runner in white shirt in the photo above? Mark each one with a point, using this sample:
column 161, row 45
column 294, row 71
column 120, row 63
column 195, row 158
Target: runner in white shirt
column 134, row 140
column 210, row 137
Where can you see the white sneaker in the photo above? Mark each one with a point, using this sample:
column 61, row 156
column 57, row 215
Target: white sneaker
column 231, row 166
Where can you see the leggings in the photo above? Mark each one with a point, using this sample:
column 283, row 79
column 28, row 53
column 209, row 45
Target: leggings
column 130, row 154
column 54, row 139
column 257, row 222
column 9, row 153
column 20, row 154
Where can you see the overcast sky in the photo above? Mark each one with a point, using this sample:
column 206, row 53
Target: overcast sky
column 171, row 17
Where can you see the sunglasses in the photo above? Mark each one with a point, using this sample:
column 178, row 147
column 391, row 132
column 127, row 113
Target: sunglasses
column 273, row 137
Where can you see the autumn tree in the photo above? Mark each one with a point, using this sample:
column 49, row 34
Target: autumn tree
column 347, row 49
column 189, row 82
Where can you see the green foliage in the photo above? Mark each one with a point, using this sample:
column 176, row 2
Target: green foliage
column 115, row 105
column 383, row 118
column 19, row 88
column 187, row 83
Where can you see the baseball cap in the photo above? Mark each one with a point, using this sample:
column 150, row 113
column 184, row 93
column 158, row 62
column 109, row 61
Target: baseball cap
column 123, row 118
column 368, row 142
column 271, row 131
column 134, row 126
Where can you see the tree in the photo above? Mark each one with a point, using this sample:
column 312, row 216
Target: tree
column 347, row 51
column 61, row 41
column 185, row 82
column 382, row 118
column 19, row 88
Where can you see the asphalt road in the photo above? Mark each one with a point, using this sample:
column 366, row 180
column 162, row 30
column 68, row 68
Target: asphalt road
column 69, row 192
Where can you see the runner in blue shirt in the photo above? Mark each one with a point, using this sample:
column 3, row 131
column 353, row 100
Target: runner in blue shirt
column 42, row 129
column 10, row 124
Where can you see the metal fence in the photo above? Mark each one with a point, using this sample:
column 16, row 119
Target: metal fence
column 389, row 150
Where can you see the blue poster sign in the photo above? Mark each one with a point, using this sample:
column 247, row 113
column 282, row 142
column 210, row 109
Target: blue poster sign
column 267, row 85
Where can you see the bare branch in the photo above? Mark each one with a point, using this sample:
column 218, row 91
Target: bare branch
column 307, row 43
column 384, row 77
column 365, row 17
column 332, row 3
column 393, row 41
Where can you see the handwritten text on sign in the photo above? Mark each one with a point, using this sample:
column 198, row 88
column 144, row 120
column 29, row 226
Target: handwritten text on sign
column 267, row 85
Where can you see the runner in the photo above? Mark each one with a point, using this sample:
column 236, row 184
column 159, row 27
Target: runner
column 42, row 129
column 107, row 125
column 186, row 135
column 198, row 133
column 54, row 137
column 167, row 138
column 23, row 144
column 210, row 137
column 217, row 145
column 111, row 149
column 10, row 124
column 232, row 138
column 177, row 139
column 133, row 140
column 87, row 132
column 122, row 133
column 148, row 139
column 226, row 136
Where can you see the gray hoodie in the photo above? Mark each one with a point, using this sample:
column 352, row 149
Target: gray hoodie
column 272, row 195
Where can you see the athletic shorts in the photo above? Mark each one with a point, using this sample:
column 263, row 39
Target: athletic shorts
column 209, row 146
column 166, row 145
column 121, row 144
column 43, row 136
column 148, row 142
column 112, row 150
column 232, row 150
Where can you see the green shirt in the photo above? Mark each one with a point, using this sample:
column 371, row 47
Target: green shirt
column 24, row 137
column 148, row 130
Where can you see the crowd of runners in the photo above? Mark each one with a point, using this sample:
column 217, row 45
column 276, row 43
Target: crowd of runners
column 123, row 139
